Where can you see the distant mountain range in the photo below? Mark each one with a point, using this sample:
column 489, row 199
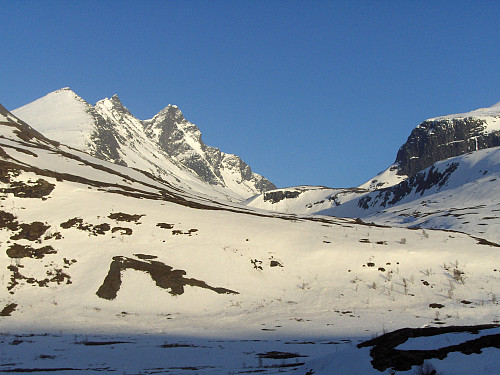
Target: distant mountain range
column 167, row 145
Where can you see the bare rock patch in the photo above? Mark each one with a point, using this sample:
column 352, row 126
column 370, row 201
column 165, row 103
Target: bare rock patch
column 164, row 276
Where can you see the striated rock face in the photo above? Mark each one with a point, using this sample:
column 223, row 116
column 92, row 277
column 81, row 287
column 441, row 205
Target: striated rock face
column 182, row 140
column 104, row 138
column 435, row 140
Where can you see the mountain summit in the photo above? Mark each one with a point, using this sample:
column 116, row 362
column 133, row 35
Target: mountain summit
column 447, row 136
column 168, row 145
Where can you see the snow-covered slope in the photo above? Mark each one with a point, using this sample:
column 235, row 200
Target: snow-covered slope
column 168, row 145
column 491, row 116
column 384, row 179
column 92, row 247
column 460, row 193
column 303, row 199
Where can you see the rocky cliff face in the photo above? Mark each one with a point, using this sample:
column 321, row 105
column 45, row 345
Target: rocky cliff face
column 182, row 140
column 438, row 139
column 435, row 140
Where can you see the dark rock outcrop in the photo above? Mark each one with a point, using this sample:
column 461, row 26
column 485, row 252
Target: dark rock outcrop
column 437, row 140
column 385, row 355
column 38, row 189
column 279, row 195
column 164, row 276
column 418, row 184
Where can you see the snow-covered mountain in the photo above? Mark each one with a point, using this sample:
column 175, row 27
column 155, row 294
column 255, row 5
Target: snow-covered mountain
column 446, row 175
column 167, row 145
column 460, row 193
column 96, row 255
column 448, row 136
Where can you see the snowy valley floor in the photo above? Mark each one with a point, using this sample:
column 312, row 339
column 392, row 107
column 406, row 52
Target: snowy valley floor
column 166, row 354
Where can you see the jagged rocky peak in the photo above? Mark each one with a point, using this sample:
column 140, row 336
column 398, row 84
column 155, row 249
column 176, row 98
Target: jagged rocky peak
column 165, row 145
column 171, row 112
column 117, row 105
column 170, row 129
column 449, row 136
column 169, row 125
column 113, row 109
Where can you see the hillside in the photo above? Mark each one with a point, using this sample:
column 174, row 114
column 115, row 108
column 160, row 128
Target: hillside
column 99, row 254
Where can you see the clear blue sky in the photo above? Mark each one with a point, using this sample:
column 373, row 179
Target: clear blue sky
column 306, row 92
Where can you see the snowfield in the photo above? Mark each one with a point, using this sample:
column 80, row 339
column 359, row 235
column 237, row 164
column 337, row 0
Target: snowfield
column 109, row 269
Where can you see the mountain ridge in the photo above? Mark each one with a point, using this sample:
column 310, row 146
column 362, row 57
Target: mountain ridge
column 165, row 145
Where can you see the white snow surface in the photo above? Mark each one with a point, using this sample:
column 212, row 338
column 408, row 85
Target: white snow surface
column 384, row 179
column 61, row 115
column 306, row 285
column 491, row 115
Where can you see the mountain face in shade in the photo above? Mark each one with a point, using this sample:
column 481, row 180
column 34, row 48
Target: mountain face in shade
column 439, row 139
column 167, row 145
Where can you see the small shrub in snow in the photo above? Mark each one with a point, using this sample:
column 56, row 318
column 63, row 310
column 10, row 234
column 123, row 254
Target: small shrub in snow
column 426, row 369
column 459, row 275
column 389, row 275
